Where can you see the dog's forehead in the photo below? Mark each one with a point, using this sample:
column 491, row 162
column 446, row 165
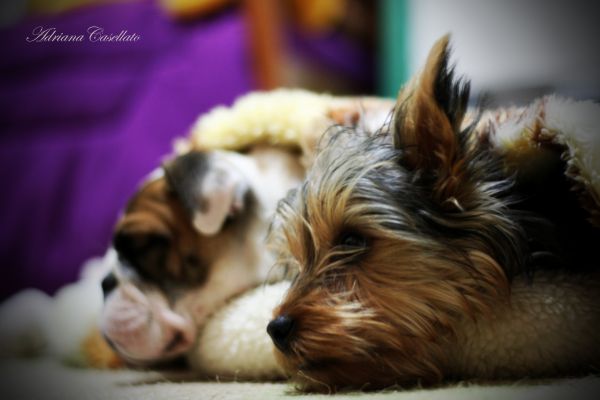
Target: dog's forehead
column 355, row 186
column 352, row 149
column 354, row 163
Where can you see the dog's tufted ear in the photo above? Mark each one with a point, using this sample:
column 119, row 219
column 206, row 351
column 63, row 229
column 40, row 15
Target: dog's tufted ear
column 209, row 188
column 427, row 120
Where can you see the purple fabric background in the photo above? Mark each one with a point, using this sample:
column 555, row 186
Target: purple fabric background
column 82, row 123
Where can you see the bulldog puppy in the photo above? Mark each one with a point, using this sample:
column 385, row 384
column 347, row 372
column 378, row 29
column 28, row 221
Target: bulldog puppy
column 192, row 237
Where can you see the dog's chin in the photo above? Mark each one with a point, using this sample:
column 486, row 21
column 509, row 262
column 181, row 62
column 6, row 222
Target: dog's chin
column 324, row 367
column 154, row 355
column 144, row 347
column 142, row 328
column 134, row 362
column 323, row 375
column 357, row 354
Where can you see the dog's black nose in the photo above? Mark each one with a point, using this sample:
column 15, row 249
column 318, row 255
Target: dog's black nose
column 280, row 329
column 109, row 283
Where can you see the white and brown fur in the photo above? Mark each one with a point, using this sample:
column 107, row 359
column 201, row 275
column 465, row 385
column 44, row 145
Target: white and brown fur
column 191, row 238
column 420, row 258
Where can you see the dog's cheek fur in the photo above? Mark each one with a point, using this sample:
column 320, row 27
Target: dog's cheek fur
column 340, row 345
column 391, row 324
column 334, row 341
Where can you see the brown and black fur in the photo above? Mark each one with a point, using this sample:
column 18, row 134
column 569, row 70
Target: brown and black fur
column 400, row 236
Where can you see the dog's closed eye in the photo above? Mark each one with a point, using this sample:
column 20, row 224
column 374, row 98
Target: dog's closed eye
column 192, row 261
column 349, row 246
column 352, row 241
column 144, row 251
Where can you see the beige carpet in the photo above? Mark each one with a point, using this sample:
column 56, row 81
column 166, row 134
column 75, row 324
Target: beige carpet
column 48, row 380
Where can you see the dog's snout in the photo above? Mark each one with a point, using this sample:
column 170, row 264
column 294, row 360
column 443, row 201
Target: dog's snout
column 109, row 283
column 280, row 329
column 176, row 341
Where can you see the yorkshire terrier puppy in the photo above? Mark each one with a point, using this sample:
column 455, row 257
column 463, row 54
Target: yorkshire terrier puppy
column 421, row 257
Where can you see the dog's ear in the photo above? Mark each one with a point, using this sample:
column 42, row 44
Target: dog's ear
column 208, row 188
column 427, row 120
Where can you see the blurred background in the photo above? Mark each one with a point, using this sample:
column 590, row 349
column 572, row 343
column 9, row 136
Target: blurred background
column 82, row 122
